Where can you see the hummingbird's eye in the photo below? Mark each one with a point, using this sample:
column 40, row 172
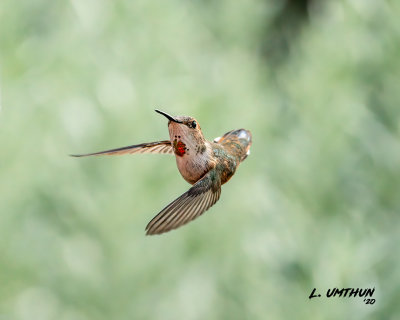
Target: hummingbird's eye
column 194, row 124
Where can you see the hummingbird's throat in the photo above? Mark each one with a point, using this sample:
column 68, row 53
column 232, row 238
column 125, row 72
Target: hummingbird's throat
column 179, row 148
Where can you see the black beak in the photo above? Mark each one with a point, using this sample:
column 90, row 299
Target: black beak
column 168, row 116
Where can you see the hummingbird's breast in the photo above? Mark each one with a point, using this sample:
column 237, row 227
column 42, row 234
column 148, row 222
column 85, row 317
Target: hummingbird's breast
column 194, row 165
column 193, row 159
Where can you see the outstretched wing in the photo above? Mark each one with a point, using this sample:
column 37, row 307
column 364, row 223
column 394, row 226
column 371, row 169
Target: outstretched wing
column 188, row 206
column 164, row 147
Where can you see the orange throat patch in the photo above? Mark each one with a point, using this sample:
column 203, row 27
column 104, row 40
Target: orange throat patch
column 179, row 148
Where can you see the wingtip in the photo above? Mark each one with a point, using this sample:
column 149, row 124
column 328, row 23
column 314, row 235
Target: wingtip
column 148, row 230
column 149, row 233
column 76, row 155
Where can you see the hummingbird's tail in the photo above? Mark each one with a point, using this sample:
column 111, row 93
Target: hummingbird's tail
column 239, row 140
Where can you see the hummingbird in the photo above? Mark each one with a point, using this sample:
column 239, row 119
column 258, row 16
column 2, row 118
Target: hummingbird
column 204, row 164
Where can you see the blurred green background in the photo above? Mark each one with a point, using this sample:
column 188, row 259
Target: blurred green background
column 315, row 205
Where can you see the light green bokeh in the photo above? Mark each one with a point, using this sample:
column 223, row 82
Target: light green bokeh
column 315, row 205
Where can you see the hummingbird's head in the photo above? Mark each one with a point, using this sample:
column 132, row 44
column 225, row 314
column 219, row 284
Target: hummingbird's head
column 185, row 133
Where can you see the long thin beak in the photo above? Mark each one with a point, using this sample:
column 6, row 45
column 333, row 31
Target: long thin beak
column 168, row 116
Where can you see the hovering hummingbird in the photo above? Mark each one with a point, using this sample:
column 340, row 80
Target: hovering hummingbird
column 204, row 164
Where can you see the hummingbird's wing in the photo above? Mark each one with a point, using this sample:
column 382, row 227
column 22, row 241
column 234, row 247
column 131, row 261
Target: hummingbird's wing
column 188, row 206
column 164, row 147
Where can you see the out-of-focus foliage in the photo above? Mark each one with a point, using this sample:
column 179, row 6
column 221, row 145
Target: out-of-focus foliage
column 315, row 205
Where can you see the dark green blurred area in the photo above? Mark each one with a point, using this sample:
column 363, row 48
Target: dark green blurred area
column 315, row 205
